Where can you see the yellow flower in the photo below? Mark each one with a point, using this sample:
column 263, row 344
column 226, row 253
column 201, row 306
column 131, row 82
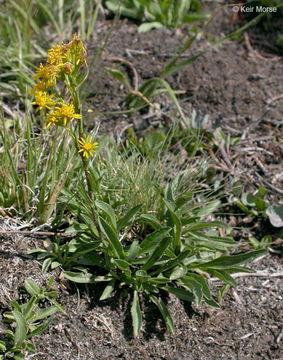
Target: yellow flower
column 76, row 44
column 87, row 147
column 77, row 49
column 66, row 112
column 51, row 119
column 39, row 86
column 43, row 100
column 54, row 55
column 47, row 72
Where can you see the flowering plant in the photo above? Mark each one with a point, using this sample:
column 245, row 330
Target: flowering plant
column 57, row 99
column 59, row 108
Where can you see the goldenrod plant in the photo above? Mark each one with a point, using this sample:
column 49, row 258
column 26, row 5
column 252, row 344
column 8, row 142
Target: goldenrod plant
column 170, row 251
column 57, row 99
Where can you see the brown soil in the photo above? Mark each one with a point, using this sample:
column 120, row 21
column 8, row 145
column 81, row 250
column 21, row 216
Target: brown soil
column 239, row 85
column 237, row 89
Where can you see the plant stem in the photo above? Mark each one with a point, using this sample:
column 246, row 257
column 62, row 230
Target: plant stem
column 90, row 194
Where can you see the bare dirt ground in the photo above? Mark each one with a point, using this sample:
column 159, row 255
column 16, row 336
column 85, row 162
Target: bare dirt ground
column 240, row 91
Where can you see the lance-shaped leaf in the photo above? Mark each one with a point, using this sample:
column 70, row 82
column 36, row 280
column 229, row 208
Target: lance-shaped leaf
column 21, row 329
column 136, row 314
column 133, row 251
column 108, row 211
column 151, row 241
column 79, row 277
column 172, row 263
column 108, row 290
column 164, row 312
column 128, row 217
column 195, row 287
column 227, row 262
column 157, row 253
column 180, row 293
column 31, row 287
column 149, row 219
column 178, row 272
column 39, row 330
column 177, row 224
column 222, row 275
column 112, row 238
column 44, row 313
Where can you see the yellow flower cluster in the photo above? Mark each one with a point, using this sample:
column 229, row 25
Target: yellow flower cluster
column 62, row 63
column 62, row 60
column 61, row 115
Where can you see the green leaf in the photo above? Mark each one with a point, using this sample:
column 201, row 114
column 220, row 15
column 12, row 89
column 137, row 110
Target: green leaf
column 21, row 329
column 177, row 225
column 142, row 274
column 28, row 309
column 54, row 265
column 227, row 262
column 205, row 225
column 178, row 272
column 164, row 312
column 241, row 206
column 211, row 303
column 39, row 330
column 222, row 275
column 18, row 355
column 172, row 263
column 196, row 16
column 203, row 282
column 30, row 346
column 90, row 259
column 275, row 215
column 255, row 243
column 2, row 346
column 108, row 210
column 44, row 313
column 136, row 314
column 149, row 219
column 50, row 282
column 81, row 277
column 151, row 241
column 121, row 264
column 133, row 251
column 31, row 287
column 180, row 293
column 158, row 252
column 195, row 287
column 120, row 76
column 261, row 192
column 128, row 217
column 46, row 264
column 149, row 26
column 108, row 290
column 260, row 204
column 210, row 208
column 248, row 199
column 210, row 242
column 159, row 280
column 112, row 237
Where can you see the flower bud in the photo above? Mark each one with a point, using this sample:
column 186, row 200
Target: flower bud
column 68, row 68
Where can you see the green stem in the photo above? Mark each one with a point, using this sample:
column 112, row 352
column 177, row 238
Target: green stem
column 90, row 194
column 77, row 106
